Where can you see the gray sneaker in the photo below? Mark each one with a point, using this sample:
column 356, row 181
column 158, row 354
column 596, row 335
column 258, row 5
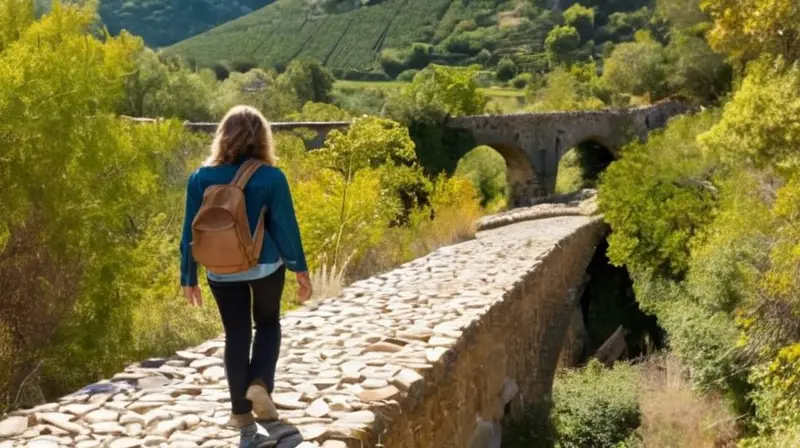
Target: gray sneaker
column 256, row 441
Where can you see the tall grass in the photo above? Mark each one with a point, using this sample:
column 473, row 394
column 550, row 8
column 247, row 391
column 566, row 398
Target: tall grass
column 676, row 416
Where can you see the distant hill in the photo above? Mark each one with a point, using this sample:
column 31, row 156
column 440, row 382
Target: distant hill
column 164, row 22
column 367, row 39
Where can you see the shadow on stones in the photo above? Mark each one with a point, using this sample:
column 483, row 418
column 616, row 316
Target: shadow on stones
column 284, row 434
column 533, row 429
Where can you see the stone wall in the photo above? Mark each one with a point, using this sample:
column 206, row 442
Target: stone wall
column 409, row 358
column 319, row 129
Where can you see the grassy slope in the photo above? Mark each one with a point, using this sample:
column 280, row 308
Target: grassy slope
column 285, row 30
column 164, row 22
column 388, row 85
column 504, row 99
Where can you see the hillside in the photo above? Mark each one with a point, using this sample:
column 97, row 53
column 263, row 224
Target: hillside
column 388, row 37
column 164, row 22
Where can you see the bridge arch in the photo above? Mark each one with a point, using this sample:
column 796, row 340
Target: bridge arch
column 523, row 182
column 581, row 165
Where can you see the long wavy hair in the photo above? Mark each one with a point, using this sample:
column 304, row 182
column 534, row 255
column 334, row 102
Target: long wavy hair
column 243, row 133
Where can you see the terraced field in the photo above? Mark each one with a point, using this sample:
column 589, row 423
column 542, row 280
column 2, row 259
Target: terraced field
column 286, row 30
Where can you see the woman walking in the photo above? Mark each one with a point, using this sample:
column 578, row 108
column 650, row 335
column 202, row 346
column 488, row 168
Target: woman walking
column 240, row 224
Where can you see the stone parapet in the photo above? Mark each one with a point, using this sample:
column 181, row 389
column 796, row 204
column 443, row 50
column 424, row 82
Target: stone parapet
column 409, row 358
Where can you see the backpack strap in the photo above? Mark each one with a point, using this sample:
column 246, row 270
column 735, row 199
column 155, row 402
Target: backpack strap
column 245, row 172
column 258, row 237
column 240, row 180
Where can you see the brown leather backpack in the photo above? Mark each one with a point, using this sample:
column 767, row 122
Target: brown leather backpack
column 221, row 239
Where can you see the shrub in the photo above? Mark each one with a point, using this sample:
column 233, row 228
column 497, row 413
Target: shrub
column 407, row 75
column 652, row 209
column 596, row 407
column 522, row 80
column 582, row 19
column 506, row 69
column 777, row 396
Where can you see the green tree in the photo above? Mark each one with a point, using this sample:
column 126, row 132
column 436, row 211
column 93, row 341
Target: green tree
column 15, row 17
column 167, row 89
column 582, row 19
column 562, row 44
column 745, row 29
column 437, row 92
column 258, row 88
column 310, row 81
column 655, row 198
column 320, row 112
column 683, row 14
column 761, row 124
column 369, row 143
column 563, row 90
column 142, row 85
column 638, row 68
column 596, row 407
column 506, row 69
column 84, row 269
column 694, row 69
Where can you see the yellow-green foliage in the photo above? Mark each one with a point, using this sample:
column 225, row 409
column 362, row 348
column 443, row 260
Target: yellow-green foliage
column 258, row 88
column 778, row 393
column 486, row 169
column 745, row 29
column 718, row 259
column 90, row 210
column 437, row 92
column 348, row 194
column 565, row 90
column 656, row 200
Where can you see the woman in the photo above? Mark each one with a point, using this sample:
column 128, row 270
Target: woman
column 243, row 135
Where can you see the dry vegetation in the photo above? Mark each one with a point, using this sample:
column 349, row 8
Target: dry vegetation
column 674, row 415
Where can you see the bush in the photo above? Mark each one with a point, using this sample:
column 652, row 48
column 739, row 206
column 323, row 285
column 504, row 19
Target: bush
column 582, row 19
column 506, row 69
column 777, row 396
column 522, row 80
column 395, row 61
column 310, row 80
column 407, row 75
column 652, row 201
column 596, row 407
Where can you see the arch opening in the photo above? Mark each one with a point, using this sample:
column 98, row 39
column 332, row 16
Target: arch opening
column 580, row 167
column 486, row 169
column 503, row 174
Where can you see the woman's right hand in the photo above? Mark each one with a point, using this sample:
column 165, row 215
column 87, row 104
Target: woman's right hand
column 304, row 289
column 193, row 295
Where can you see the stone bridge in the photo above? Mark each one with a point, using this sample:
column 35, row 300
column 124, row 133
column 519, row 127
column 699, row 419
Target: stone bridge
column 406, row 359
column 319, row 129
column 532, row 144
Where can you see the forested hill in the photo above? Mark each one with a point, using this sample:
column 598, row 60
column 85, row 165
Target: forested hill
column 378, row 38
column 164, row 22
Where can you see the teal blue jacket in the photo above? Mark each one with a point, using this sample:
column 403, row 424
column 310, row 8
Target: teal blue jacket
column 268, row 187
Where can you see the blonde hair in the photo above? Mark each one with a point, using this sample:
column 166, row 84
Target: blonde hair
column 243, row 133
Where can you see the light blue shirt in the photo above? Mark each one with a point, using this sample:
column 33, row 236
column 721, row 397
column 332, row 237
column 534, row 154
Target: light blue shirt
column 256, row 272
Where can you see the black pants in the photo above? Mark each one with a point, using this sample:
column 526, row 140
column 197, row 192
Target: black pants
column 237, row 301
